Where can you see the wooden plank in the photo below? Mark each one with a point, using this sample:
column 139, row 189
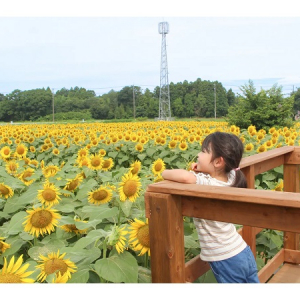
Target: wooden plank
column 195, row 268
column 292, row 256
column 256, row 159
column 284, row 199
column 288, row 273
column 251, row 214
column 272, row 265
column 166, row 238
column 293, row 157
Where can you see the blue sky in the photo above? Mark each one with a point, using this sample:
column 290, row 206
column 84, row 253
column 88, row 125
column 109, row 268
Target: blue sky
column 109, row 51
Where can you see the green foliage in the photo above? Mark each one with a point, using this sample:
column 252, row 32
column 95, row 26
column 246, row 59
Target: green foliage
column 65, row 116
column 264, row 109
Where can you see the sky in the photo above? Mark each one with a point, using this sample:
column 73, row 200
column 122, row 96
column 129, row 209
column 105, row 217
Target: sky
column 65, row 44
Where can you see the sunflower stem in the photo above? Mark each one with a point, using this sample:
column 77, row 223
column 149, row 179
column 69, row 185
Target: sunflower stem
column 146, row 260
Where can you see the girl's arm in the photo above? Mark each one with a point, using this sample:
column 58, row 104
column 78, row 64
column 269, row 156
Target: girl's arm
column 179, row 175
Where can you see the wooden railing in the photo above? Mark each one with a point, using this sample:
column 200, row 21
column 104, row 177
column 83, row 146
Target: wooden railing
column 167, row 202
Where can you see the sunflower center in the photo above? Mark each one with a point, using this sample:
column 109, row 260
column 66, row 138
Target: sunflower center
column 4, row 190
column 26, row 174
column 72, row 185
column 100, row 195
column 130, row 188
column 6, row 151
column 21, row 150
column 158, row 166
column 41, row 219
column 135, row 170
column 72, row 227
column 143, row 236
column 55, row 265
column 96, row 162
column 49, row 194
column 10, row 278
column 106, row 164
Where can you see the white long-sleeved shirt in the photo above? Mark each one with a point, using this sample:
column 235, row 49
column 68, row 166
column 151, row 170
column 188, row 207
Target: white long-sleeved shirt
column 218, row 240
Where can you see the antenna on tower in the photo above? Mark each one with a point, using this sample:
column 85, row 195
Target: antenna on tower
column 164, row 94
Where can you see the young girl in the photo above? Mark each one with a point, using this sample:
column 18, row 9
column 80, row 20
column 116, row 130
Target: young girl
column 230, row 258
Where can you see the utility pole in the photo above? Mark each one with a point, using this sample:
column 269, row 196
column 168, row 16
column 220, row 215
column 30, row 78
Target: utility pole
column 53, row 105
column 133, row 97
column 215, row 101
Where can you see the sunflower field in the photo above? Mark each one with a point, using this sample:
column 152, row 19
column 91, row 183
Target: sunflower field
column 72, row 195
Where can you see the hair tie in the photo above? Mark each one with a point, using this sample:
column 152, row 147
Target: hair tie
column 236, row 169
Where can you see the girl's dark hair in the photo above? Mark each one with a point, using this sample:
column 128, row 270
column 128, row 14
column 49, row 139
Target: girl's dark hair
column 230, row 147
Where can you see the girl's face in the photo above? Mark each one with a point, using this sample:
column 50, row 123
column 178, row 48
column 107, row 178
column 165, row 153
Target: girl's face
column 204, row 163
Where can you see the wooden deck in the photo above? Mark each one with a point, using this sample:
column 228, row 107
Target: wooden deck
column 167, row 202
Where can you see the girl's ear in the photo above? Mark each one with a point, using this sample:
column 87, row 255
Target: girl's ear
column 219, row 162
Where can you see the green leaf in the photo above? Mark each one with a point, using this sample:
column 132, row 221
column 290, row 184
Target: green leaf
column 81, row 256
column 113, row 154
column 81, row 276
column 150, row 151
column 15, row 225
column 118, row 268
column 36, row 251
column 100, row 212
column 144, row 275
column 189, row 242
column 126, row 207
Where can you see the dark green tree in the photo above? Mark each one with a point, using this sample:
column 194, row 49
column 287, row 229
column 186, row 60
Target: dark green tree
column 264, row 109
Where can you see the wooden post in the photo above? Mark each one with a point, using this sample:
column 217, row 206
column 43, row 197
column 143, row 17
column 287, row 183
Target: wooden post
column 166, row 238
column 291, row 184
column 249, row 233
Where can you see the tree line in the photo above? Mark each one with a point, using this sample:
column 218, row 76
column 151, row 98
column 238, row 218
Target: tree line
column 196, row 99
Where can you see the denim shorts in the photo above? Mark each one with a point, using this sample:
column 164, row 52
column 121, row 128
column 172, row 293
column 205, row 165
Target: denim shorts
column 240, row 268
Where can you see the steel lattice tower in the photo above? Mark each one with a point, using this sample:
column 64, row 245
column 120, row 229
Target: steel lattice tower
column 164, row 95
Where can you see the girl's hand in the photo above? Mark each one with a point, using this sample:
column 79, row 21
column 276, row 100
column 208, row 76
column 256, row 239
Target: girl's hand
column 194, row 167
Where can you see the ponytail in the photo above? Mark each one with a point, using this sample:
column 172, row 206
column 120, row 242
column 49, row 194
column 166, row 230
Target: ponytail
column 240, row 179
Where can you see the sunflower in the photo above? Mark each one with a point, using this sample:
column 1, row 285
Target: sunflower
column 6, row 191
column 117, row 238
column 172, row 144
column 129, row 187
column 32, row 149
column 83, row 152
column 107, row 164
column 100, row 196
column 158, row 166
column 279, row 186
column 73, row 184
column 262, row 148
column 5, row 152
column 135, row 167
column 21, row 151
column 83, row 161
column 139, row 237
column 49, row 195
column 158, row 178
column 73, row 228
column 55, row 151
column 54, row 263
column 15, row 272
column 3, row 245
column 95, row 162
column 60, row 278
column 50, row 170
column 102, row 152
column 183, row 145
column 11, row 167
column 25, row 176
column 249, row 147
column 139, row 147
column 40, row 221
